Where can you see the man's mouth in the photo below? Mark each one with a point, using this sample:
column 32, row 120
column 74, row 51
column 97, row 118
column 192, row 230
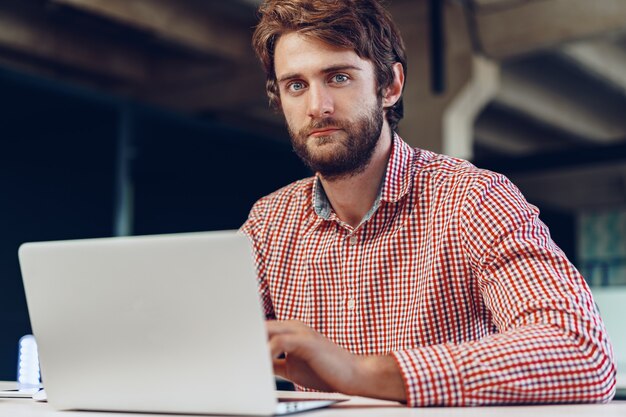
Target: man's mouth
column 323, row 132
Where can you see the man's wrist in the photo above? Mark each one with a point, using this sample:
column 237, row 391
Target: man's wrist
column 378, row 377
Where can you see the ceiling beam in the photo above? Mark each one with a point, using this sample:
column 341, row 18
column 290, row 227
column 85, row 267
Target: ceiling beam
column 221, row 90
column 505, row 29
column 601, row 59
column 577, row 188
column 181, row 22
column 504, row 140
column 36, row 37
column 511, row 133
column 556, row 108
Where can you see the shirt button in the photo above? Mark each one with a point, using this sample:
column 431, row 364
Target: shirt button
column 351, row 304
column 353, row 240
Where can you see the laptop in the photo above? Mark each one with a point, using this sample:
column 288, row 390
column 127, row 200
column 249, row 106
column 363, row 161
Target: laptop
column 164, row 323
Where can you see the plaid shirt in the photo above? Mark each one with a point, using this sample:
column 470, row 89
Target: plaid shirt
column 451, row 272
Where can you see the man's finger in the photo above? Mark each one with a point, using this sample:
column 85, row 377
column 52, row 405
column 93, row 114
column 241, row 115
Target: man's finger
column 274, row 327
column 280, row 367
column 280, row 344
column 278, row 327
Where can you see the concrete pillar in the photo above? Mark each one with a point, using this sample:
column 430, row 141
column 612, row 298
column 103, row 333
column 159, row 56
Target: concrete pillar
column 441, row 122
column 460, row 115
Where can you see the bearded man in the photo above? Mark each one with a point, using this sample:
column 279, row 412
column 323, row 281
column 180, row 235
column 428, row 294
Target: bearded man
column 396, row 272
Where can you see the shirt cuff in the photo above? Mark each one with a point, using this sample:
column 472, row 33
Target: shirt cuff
column 430, row 376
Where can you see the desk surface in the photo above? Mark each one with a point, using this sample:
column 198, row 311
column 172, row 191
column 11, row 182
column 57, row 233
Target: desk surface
column 25, row 407
column 354, row 407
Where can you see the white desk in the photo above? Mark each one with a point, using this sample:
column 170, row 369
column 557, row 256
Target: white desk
column 354, row 407
column 25, row 407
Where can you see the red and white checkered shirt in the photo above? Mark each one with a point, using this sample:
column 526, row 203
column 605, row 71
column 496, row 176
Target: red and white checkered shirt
column 451, row 272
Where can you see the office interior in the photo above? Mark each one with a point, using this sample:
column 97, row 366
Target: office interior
column 150, row 116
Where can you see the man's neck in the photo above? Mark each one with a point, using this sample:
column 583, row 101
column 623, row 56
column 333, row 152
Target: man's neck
column 353, row 197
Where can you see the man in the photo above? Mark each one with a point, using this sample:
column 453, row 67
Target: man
column 395, row 272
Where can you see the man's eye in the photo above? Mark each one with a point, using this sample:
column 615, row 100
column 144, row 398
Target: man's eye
column 340, row 78
column 295, row 86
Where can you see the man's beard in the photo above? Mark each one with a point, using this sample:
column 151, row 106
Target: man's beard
column 357, row 145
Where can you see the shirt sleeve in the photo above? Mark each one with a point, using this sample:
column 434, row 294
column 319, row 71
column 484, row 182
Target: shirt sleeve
column 550, row 346
column 254, row 229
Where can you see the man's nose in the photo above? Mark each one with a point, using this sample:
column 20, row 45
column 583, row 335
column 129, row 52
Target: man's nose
column 320, row 102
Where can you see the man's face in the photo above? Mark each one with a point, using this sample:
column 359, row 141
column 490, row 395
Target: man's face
column 329, row 99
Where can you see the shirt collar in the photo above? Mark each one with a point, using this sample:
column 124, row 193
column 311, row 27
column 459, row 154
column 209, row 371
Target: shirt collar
column 321, row 205
column 400, row 170
column 395, row 184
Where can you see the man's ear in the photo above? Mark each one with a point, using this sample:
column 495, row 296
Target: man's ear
column 392, row 93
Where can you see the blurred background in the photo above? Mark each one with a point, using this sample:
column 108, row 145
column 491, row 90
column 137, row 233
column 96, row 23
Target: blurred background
column 123, row 117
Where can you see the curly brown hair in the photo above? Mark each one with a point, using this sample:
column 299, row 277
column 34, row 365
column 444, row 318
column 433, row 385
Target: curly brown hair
column 362, row 25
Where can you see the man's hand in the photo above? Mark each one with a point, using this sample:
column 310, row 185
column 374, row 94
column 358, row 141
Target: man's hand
column 313, row 361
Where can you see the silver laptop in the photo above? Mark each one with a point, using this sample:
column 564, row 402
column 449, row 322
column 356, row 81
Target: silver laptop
column 169, row 324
